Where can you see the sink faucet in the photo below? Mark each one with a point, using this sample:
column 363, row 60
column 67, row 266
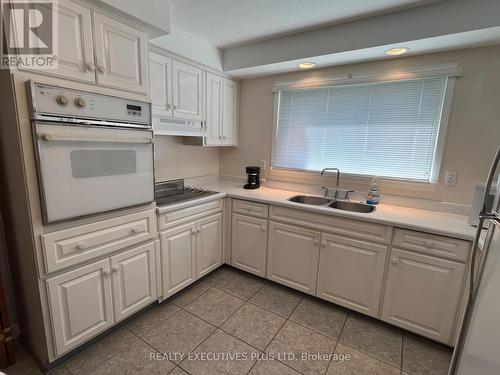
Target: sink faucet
column 337, row 183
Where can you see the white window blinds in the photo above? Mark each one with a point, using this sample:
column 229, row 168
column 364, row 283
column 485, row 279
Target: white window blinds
column 387, row 129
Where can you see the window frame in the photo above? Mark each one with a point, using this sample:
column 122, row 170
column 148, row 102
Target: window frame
column 443, row 127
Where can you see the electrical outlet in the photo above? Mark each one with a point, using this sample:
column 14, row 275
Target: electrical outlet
column 263, row 165
column 450, row 178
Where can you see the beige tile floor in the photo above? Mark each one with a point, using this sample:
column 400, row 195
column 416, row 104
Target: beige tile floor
column 234, row 323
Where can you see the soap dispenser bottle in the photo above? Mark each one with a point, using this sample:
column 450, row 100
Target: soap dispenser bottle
column 373, row 192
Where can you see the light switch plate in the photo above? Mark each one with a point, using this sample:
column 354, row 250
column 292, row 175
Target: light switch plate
column 450, row 178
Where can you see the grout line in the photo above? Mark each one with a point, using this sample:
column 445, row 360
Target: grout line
column 337, row 342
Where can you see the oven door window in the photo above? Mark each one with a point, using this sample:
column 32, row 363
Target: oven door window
column 99, row 163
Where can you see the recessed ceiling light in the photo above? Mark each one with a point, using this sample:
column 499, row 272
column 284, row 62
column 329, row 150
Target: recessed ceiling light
column 397, row 51
column 306, row 65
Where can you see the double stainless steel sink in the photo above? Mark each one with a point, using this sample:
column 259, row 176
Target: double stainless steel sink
column 339, row 205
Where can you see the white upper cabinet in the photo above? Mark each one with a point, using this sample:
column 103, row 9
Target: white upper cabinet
column 229, row 114
column 120, row 54
column 215, row 85
column 97, row 49
column 160, row 73
column 76, row 52
column 187, row 85
column 222, row 111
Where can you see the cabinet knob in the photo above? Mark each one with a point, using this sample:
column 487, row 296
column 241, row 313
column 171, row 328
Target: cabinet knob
column 316, row 242
column 115, row 269
column 175, row 106
column 429, row 244
column 193, row 232
column 101, row 69
column 90, row 67
column 323, row 244
column 135, row 230
column 106, row 273
column 263, row 228
column 168, row 106
column 394, row 260
column 80, row 246
column 198, row 230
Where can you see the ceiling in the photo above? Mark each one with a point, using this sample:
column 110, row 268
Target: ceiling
column 227, row 23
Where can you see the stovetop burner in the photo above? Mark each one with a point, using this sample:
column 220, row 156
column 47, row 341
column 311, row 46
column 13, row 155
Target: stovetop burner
column 174, row 191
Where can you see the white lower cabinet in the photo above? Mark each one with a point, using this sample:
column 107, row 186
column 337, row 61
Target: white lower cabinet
column 89, row 299
column 189, row 251
column 134, row 280
column 422, row 294
column 178, row 254
column 351, row 273
column 249, row 244
column 293, row 256
column 208, row 244
column 81, row 304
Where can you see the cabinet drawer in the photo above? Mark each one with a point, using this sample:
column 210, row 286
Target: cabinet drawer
column 333, row 224
column 68, row 247
column 443, row 247
column 173, row 218
column 250, row 208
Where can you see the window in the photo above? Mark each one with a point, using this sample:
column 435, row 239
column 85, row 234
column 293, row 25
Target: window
column 388, row 129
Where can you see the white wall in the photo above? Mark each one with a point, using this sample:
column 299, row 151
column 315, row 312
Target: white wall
column 175, row 160
column 190, row 46
column 473, row 130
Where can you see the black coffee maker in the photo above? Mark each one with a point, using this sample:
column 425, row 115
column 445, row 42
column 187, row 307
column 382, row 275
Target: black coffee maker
column 253, row 178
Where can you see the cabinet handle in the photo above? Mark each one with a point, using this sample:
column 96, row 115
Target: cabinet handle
column 193, row 232
column 80, row 246
column 101, row 69
column 316, row 242
column 198, row 230
column 135, row 230
column 429, row 244
column 105, row 273
column 323, row 244
column 90, row 67
column 168, row 106
column 263, row 228
column 394, row 260
column 115, row 269
column 175, row 106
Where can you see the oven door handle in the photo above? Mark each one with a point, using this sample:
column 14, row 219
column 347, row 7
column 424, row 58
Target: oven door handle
column 53, row 137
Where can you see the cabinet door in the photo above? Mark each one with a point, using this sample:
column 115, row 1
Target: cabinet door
column 160, row 77
column 178, row 258
column 293, row 256
column 208, row 244
column 134, row 280
column 120, row 55
column 351, row 273
column 249, row 244
column 187, row 91
column 81, row 304
column 422, row 294
column 230, row 113
column 214, row 110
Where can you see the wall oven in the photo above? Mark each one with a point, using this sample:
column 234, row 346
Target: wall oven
column 94, row 152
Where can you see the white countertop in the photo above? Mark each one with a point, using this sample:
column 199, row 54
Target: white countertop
column 423, row 220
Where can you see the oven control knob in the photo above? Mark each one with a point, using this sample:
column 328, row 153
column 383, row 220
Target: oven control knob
column 62, row 100
column 80, row 102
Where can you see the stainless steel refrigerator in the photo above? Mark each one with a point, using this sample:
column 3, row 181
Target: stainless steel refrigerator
column 478, row 348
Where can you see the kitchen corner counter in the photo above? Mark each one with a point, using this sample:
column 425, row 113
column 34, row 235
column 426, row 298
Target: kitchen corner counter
column 435, row 222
